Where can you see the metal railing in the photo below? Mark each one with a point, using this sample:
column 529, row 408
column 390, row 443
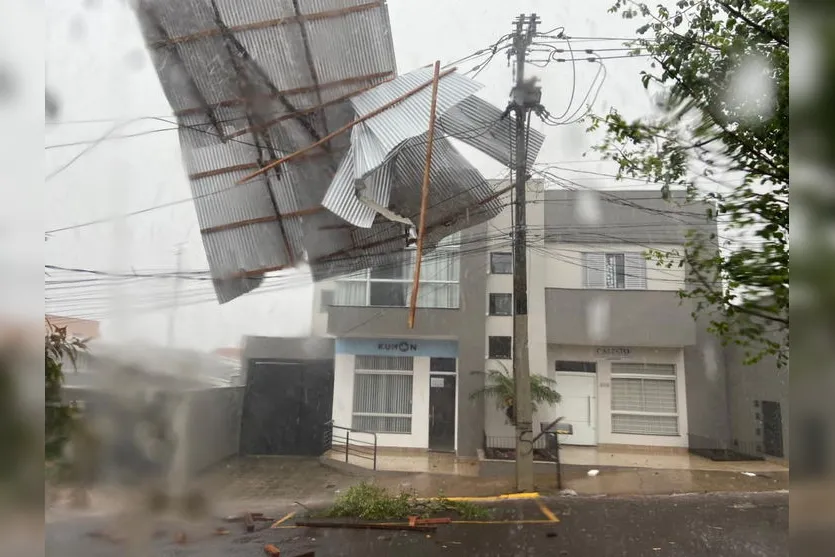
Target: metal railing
column 546, row 442
column 348, row 442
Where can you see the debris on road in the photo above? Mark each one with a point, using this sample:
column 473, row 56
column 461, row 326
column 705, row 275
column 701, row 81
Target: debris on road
column 417, row 521
column 270, row 549
column 593, row 473
column 180, row 538
column 365, row 525
column 98, row 534
column 249, row 522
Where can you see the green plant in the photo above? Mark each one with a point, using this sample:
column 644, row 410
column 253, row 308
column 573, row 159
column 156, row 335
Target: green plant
column 59, row 347
column 501, row 387
column 370, row 502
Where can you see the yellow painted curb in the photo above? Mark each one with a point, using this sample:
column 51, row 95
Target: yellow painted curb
column 495, row 498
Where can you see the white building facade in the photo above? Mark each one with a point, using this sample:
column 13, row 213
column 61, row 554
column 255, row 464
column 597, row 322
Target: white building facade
column 605, row 324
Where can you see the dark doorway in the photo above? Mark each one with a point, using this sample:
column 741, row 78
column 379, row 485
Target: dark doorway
column 772, row 428
column 442, row 412
column 286, row 404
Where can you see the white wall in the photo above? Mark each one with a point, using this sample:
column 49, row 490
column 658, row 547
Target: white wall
column 319, row 315
column 564, row 265
column 495, row 421
column 343, row 400
column 604, row 395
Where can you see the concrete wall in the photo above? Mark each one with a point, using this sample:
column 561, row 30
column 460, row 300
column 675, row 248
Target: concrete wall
column 278, row 348
column 214, row 426
column 618, row 317
column 624, row 217
column 707, row 390
column 322, row 293
column 750, row 384
column 207, row 422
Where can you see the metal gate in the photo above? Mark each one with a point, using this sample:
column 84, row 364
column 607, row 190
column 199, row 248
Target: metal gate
column 286, row 403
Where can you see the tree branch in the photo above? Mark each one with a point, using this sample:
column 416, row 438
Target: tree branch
column 754, row 312
column 755, row 25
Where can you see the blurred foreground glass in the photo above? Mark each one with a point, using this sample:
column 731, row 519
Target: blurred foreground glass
column 813, row 277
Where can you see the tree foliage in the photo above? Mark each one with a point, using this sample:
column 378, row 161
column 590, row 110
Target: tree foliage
column 723, row 140
column 59, row 348
column 501, row 387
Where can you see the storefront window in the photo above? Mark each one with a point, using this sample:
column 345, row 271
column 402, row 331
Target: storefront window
column 644, row 399
column 383, row 394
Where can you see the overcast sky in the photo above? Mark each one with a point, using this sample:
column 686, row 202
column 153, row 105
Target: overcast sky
column 99, row 71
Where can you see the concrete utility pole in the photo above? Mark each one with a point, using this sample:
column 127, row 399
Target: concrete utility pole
column 524, row 97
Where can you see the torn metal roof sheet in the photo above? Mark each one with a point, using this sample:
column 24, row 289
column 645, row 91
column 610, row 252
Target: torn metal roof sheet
column 397, row 138
column 253, row 81
column 250, row 82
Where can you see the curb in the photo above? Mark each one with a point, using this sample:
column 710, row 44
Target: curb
column 494, row 498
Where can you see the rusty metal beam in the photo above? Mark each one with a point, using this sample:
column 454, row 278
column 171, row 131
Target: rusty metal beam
column 245, row 166
column 224, row 170
column 261, row 220
column 287, row 92
column 267, row 24
column 347, row 127
column 424, row 196
column 311, row 66
column 303, row 111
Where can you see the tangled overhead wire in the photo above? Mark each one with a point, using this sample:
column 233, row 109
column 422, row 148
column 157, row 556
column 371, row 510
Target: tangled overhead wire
column 553, row 54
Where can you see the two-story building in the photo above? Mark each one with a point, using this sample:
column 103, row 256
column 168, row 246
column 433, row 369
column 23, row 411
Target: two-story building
column 605, row 323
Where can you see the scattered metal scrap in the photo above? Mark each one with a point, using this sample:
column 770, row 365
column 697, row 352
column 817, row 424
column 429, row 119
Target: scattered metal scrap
column 274, row 551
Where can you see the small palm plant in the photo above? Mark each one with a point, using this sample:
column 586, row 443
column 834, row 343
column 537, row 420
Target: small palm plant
column 501, row 386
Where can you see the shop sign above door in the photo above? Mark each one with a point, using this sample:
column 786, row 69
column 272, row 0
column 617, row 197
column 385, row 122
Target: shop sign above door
column 612, row 352
column 397, row 347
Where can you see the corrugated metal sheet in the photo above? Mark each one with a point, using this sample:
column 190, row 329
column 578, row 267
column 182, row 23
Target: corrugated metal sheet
column 479, row 124
column 351, row 50
column 409, row 117
column 262, row 73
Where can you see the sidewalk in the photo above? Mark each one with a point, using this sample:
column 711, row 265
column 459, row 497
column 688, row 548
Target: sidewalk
column 268, row 483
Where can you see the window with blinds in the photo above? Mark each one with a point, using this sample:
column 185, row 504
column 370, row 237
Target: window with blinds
column 383, row 394
column 644, row 399
column 614, row 271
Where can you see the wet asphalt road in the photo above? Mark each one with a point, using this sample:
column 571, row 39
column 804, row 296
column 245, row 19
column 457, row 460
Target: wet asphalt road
column 737, row 525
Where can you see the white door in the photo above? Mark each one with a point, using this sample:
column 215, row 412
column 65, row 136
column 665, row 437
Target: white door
column 578, row 406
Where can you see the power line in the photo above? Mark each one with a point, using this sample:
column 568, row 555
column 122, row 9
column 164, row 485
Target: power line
column 478, row 131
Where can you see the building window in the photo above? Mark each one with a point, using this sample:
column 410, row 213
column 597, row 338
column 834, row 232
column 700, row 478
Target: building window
column 499, row 348
column 447, row 365
column 390, row 285
column 501, row 263
column 615, row 271
column 581, row 367
column 383, row 394
column 644, row 399
column 501, row 304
